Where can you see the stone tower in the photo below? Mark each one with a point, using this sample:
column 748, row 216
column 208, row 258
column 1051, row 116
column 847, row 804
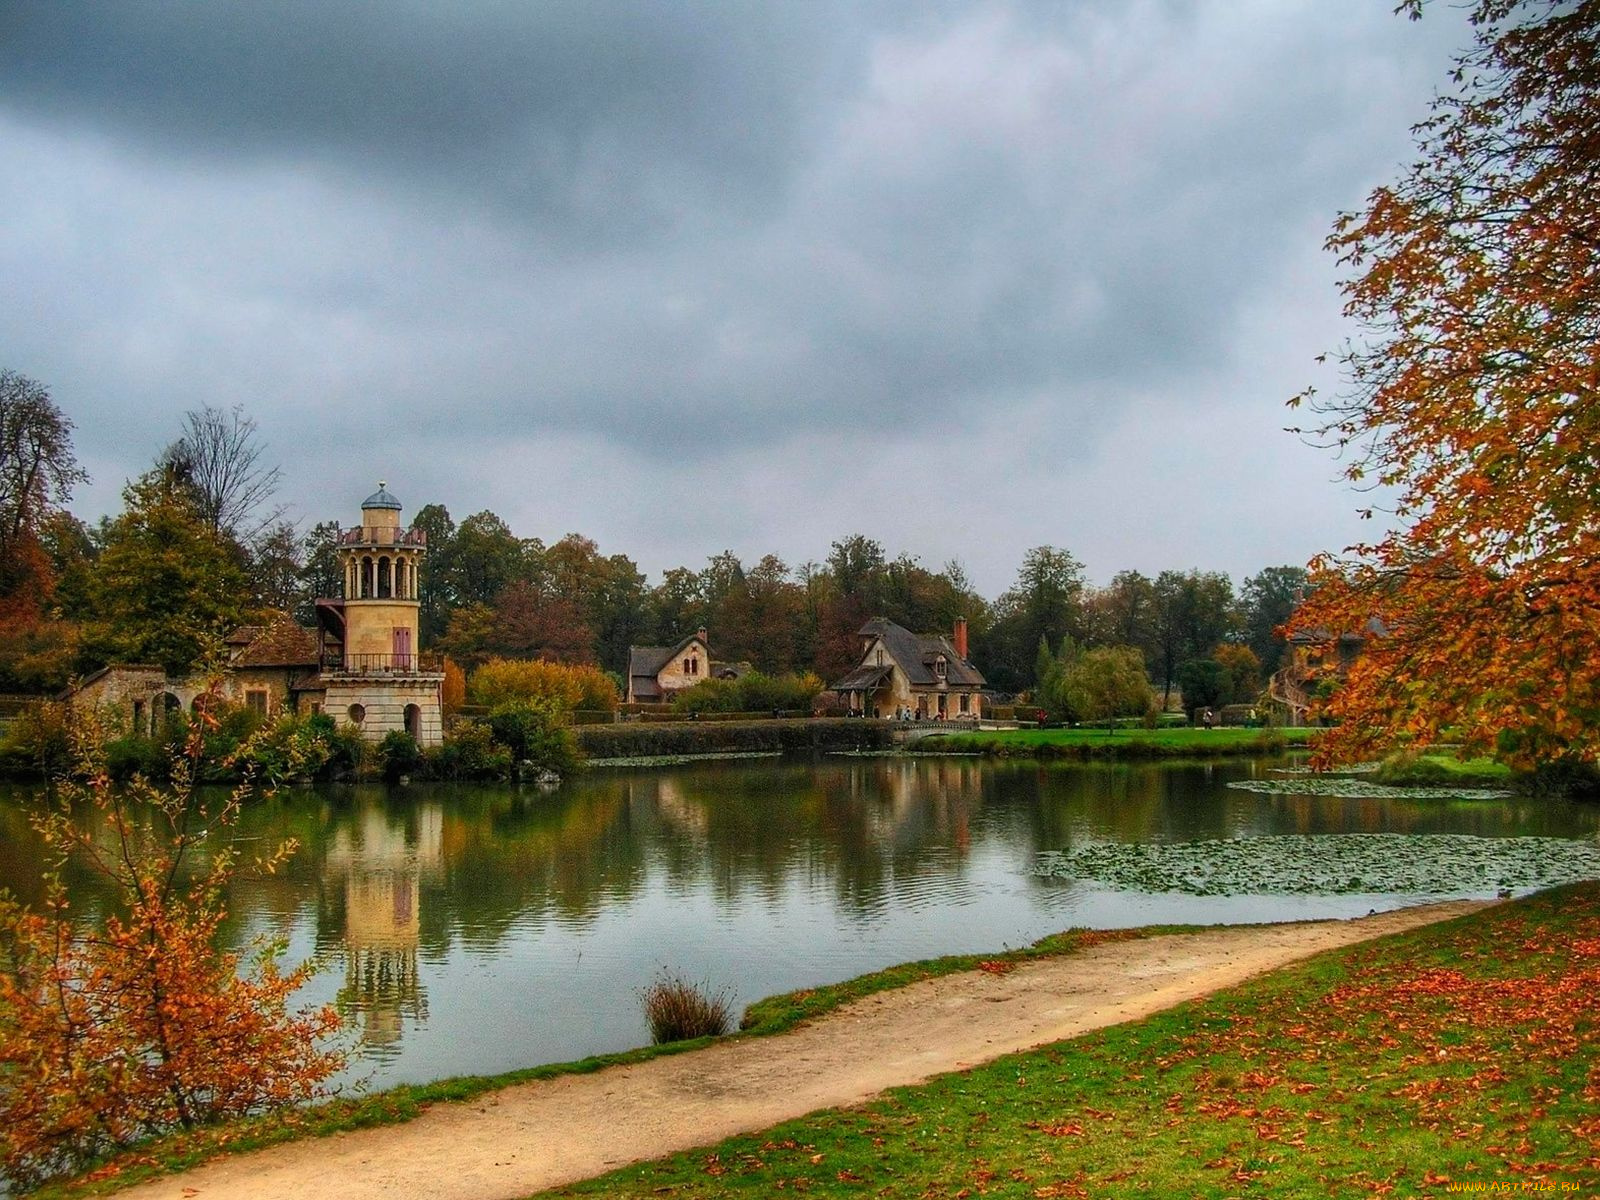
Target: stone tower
column 379, row 678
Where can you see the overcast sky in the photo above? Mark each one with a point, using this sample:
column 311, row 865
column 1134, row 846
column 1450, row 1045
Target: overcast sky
column 964, row 277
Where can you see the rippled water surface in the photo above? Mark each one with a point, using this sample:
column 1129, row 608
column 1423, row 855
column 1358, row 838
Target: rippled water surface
column 475, row 929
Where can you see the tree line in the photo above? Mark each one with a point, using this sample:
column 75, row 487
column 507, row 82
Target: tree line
column 201, row 545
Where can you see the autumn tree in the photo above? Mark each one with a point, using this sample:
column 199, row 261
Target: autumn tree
column 1472, row 396
column 37, row 474
column 119, row 1028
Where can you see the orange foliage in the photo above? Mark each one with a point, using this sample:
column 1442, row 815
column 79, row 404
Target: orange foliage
column 453, row 690
column 117, row 1030
column 1476, row 398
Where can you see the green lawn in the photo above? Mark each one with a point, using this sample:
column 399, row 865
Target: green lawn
column 1130, row 743
column 1440, row 768
column 1463, row 1052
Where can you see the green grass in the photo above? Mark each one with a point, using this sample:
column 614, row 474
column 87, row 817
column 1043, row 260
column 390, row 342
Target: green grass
column 1085, row 743
column 1462, row 1052
column 776, row 1014
column 1440, row 768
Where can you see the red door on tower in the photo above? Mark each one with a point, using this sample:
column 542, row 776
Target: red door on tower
column 402, row 649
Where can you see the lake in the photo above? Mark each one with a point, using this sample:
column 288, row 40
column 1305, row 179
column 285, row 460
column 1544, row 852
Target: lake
column 473, row 929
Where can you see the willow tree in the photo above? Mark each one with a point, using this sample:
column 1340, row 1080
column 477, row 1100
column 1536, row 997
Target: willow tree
column 1472, row 397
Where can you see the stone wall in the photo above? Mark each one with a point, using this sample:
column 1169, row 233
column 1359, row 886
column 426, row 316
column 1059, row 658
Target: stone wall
column 382, row 706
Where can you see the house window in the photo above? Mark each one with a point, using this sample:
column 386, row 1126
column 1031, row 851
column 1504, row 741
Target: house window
column 255, row 699
column 939, row 666
column 966, row 702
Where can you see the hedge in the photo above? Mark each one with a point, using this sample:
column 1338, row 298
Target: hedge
column 639, row 740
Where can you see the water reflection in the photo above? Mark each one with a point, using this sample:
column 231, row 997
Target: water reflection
column 480, row 928
column 381, row 861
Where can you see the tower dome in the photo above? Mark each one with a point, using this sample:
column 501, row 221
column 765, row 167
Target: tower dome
column 381, row 499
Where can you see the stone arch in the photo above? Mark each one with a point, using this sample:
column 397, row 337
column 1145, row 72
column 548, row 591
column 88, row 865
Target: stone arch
column 414, row 722
column 357, row 713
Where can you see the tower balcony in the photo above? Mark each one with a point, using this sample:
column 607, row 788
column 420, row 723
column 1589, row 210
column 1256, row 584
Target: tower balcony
column 383, row 535
column 382, row 666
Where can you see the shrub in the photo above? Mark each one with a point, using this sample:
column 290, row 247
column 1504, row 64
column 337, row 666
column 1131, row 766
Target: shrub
column 677, row 1010
column 535, row 732
column 638, row 739
column 399, row 755
column 121, row 1028
column 470, row 752
column 37, row 743
column 452, row 690
column 133, row 754
column 503, row 680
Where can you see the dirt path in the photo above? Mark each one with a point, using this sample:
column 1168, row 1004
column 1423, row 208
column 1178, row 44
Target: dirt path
column 533, row 1136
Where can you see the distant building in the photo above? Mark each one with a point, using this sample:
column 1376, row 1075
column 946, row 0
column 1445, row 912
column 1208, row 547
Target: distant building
column 657, row 673
column 920, row 675
column 360, row 663
column 1316, row 658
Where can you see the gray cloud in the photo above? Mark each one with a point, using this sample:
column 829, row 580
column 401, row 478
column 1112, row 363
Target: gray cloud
column 804, row 236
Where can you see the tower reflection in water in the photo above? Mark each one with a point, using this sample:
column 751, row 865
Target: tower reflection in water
column 381, row 862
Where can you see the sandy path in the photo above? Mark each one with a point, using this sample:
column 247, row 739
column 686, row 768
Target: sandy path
column 533, row 1136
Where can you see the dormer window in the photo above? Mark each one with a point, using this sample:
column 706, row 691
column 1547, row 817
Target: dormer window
column 939, row 666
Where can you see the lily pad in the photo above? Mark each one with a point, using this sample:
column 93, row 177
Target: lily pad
column 1329, row 864
column 1355, row 788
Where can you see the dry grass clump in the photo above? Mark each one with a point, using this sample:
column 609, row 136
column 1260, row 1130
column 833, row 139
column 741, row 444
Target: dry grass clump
column 678, row 1010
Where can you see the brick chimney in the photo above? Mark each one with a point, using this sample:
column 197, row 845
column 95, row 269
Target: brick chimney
column 702, row 632
column 960, row 639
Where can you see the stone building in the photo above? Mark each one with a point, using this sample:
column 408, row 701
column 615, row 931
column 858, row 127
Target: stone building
column 657, row 673
column 925, row 676
column 271, row 668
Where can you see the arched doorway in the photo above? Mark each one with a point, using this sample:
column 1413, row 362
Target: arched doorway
column 414, row 722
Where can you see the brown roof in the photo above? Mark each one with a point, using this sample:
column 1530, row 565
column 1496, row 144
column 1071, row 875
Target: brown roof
column 863, row 679
column 282, row 644
column 915, row 654
column 645, row 662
